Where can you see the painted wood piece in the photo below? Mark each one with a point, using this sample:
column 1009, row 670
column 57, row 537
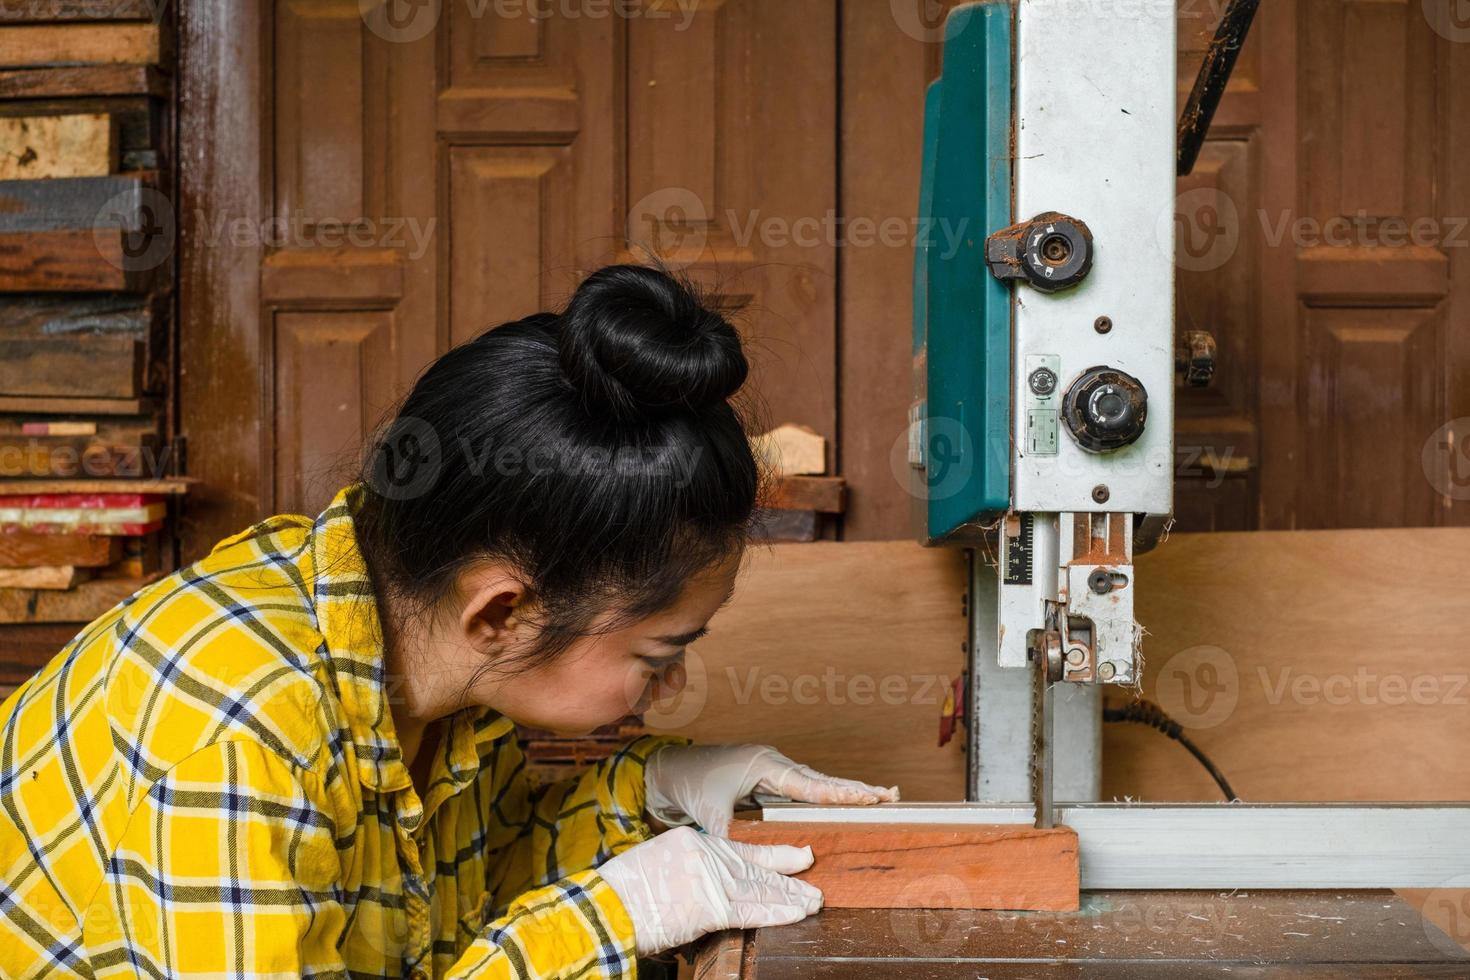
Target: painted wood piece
column 38, row 45
column 792, row 450
column 77, row 145
column 79, row 605
column 932, row 866
column 90, row 260
column 21, row 549
column 42, row 577
column 77, row 202
column 827, row 494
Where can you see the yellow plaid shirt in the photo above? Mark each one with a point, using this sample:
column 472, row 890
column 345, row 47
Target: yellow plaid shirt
column 206, row 783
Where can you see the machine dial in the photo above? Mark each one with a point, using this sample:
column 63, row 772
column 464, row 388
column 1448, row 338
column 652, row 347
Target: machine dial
column 1105, row 409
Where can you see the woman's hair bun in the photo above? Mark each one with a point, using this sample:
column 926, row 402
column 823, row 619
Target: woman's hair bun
column 636, row 342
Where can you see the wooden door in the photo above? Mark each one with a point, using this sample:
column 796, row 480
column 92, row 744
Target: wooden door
column 441, row 166
column 425, row 172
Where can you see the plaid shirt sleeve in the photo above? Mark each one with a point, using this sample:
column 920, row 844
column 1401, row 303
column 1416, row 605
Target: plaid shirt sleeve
column 228, row 867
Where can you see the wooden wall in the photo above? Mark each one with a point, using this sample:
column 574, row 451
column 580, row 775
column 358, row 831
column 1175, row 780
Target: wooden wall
column 1309, row 666
column 482, row 163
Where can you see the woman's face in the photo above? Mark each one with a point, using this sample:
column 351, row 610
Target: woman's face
column 604, row 677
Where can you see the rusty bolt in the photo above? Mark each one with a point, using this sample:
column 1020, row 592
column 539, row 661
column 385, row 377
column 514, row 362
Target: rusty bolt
column 1103, row 324
column 1101, row 493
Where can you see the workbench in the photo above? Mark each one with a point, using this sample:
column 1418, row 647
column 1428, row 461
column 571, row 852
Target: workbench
column 1137, row 935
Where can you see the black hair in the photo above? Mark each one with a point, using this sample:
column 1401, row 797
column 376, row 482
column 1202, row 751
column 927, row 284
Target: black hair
column 595, row 450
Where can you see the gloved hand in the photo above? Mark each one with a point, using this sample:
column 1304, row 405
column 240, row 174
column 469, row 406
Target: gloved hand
column 702, row 783
column 683, row 884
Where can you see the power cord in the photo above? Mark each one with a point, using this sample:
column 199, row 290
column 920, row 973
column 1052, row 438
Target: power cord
column 1143, row 712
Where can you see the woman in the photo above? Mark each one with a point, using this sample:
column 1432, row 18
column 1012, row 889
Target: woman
column 296, row 757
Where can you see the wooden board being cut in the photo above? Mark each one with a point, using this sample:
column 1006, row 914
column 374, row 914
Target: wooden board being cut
column 932, row 866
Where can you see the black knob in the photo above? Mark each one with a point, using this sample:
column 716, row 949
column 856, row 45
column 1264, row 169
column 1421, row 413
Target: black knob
column 1105, row 409
column 1052, row 251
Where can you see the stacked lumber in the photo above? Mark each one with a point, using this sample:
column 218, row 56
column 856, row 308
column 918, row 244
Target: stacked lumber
column 87, row 233
column 798, row 498
column 550, row 757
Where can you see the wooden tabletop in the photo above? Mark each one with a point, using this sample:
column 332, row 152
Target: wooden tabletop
column 1116, row 935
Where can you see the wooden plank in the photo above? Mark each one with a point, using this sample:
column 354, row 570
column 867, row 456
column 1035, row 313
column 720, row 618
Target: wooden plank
column 67, row 261
column 41, row 405
column 42, row 577
column 168, row 485
column 791, row 450
column 720, row 955
column 73, row 428
column 22, row 550
column 79, row 605
column 826, row 494
column 807, row 658
column 106, row 367
column 785, row 525
column 45, row 83
column 1218, row 845
column 1347, row 646
column 141, row 122
column 932, row 866
column 1119, row 935
column 74, row 203
column 79, row 145
column 40, row 45
column 43, row 11
column 886, row 65
column 48, row 316
column 25, row 649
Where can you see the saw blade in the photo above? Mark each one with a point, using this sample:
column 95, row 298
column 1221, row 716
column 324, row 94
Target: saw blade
column 1041, row 742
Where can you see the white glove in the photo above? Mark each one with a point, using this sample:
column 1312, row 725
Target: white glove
column 682, row 884
column 702, row 783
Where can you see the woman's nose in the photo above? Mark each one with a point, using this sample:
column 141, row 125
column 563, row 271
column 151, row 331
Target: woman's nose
column 671, row 681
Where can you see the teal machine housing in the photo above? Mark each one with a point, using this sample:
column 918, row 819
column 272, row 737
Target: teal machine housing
column 959, row 421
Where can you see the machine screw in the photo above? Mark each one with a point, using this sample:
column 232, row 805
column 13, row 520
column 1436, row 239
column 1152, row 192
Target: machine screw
column 1076, row 657
column 1100, row 582
column 1100, row 494
column 1106, row 670
column 1103, row 324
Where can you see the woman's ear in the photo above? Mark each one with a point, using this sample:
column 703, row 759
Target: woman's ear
column 493, row 593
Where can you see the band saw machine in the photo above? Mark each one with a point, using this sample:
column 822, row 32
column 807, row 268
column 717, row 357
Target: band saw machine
column 1041, row 439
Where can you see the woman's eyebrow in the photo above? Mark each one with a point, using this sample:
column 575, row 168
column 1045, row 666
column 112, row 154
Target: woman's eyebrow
column 683, row 639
